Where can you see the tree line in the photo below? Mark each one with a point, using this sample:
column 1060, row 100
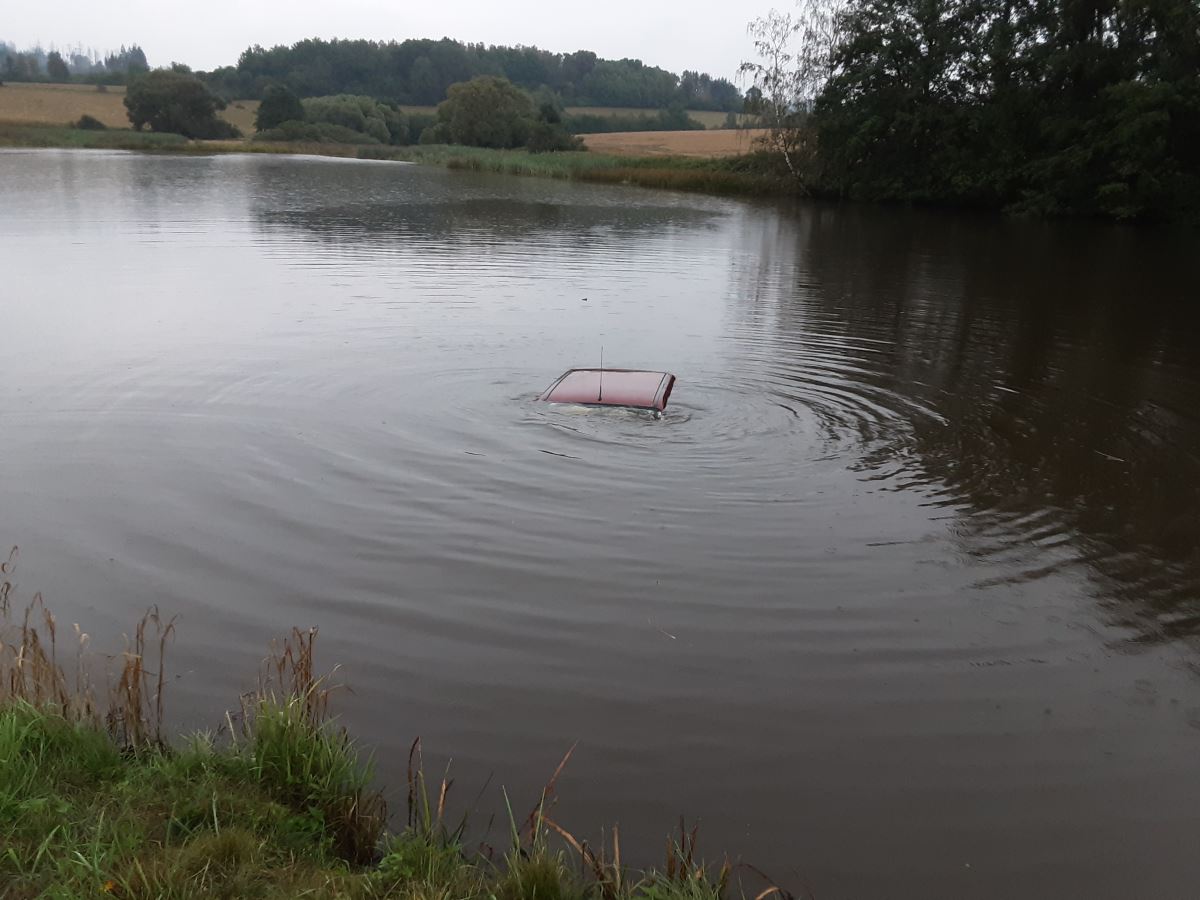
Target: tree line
column 420, row 72
column 38, row 64
column 1052, row 107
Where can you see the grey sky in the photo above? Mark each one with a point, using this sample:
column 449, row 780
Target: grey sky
column 702, row 34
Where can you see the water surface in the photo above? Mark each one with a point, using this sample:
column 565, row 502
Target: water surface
column 900, row 598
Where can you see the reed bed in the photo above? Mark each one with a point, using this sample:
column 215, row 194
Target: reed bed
column 753, row 174
column 278, row 802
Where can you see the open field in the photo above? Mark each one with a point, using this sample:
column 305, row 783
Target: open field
column 702, row 144
column 58, row 104
column 241, row 113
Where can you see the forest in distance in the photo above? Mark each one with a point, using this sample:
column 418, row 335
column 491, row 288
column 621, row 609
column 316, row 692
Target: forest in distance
column 410, row 72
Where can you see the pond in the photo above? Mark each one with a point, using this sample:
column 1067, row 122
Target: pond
column 899, row 598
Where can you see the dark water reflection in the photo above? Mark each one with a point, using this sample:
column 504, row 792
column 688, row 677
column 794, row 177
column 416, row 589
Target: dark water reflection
column 901, row 597
column 1063, row 363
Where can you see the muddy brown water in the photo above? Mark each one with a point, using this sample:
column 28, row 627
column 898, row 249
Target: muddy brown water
column 900, row 598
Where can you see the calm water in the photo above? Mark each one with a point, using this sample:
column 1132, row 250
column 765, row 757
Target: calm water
column 900, row 598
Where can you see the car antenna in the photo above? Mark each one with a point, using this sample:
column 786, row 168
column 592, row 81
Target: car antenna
column 600, row 396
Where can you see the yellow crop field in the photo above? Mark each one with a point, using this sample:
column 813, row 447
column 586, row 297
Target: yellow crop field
column 58, row 104
column 241, row 113
column 705, row 144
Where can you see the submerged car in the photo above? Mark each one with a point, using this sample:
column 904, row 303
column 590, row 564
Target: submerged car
column 630, row 388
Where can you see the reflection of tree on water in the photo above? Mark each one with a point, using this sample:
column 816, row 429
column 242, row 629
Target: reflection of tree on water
column 389, row 204
column 1064, row 364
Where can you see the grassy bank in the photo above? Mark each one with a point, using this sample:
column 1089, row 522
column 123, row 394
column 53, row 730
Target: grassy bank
column 277, row 803
column 23, row 135
column 751, row 175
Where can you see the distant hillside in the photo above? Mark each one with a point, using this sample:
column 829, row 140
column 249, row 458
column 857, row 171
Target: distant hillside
column 418, row 72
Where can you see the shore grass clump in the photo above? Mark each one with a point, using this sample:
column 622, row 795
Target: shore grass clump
column 754, row 174
column 97, row 800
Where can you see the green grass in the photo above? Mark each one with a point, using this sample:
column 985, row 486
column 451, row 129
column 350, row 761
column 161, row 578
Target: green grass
column 19, row 135
column 282, row 803
column 751, row 175
column 755, row 174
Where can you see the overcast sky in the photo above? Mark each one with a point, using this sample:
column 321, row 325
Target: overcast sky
column 705, row 35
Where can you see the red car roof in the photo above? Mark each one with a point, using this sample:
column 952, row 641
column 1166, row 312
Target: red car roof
column 612, row 387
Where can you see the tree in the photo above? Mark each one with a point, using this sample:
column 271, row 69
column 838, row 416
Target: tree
column 176, row 102
column 1047, row 106
column 487, row 111
column 419, row 72
column 778, row 84
column 56, row 67
column 549, row 134
column 131, row 60
column 278, row 105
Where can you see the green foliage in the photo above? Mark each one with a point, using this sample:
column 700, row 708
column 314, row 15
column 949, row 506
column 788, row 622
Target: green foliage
column 539, row 875
column 56, row 67
column 278, row 105
column 319, row 133
column 71, row 136
column 674, row 119
column 89, row 123
column 551, row 137
column 1059, row 107
column 419, row 72
column 417, row 124
column 315, row 769
column 281, row 808
column 487, row 111
column 358, row 113
column 178, row 103
column 756, row 174
column 419, row 859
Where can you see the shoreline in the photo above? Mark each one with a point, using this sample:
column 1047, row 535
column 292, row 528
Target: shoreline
column 748, row 175
column 278, row 802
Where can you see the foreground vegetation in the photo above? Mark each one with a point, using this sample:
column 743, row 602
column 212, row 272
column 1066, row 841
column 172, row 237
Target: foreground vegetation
column 1052, row 108
column 278, row 803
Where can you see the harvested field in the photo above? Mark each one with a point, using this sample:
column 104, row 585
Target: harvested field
column 58, row 104
column 241, row 113
column 703, row 144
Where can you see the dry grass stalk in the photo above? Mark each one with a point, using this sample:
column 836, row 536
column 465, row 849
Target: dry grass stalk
column 289, row 672
column 135, row 706
column 29, row 668
column 30, row 671
column 548, row 798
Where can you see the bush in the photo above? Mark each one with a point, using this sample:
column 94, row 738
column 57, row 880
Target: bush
column 487, row 111
column 89, row 123
column 417, row 123
column 278, row 105
column 362, row 114
column 434, row 134
column 550, row 138
column 316, row 133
